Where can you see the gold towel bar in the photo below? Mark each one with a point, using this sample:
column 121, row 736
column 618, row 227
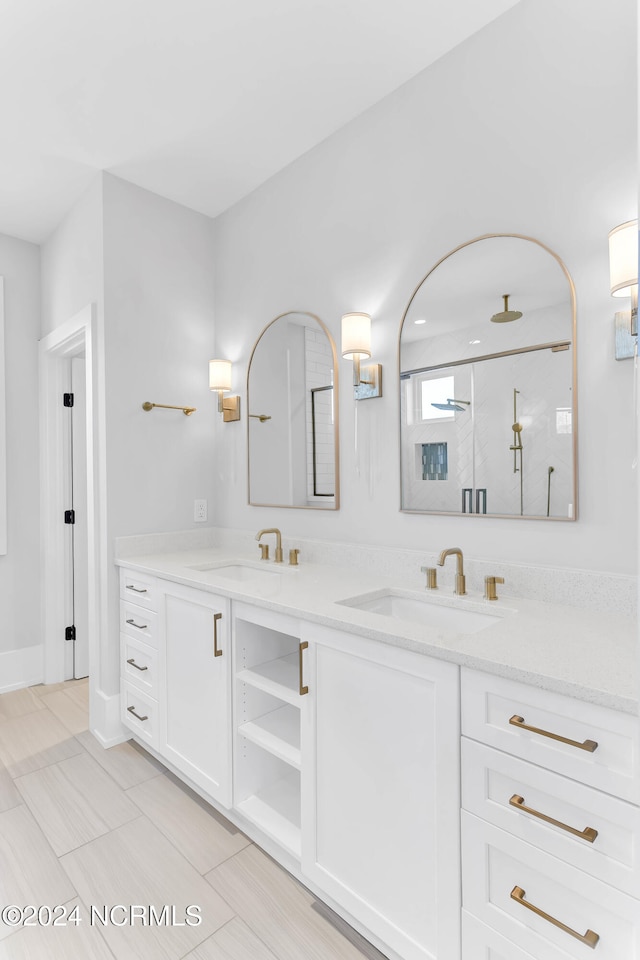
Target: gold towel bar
column 167, row 406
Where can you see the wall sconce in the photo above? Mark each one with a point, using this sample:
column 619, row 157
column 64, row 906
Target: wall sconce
column 623, row 273
column 220, row 381
column 356, row 346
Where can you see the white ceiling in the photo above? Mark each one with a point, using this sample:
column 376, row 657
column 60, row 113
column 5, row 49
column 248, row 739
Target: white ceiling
column 197, row 100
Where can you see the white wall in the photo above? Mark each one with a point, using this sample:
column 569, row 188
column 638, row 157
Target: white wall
column 527, row 128
column 159, row 339
column 72, row 262
column 19, row 571
column 146, row 263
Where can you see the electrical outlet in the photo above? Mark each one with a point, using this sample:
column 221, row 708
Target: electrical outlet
column 199, row 511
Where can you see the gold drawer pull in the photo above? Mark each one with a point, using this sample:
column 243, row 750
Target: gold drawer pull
column 138, row 626
column 216, row 651
column 137, row 715
column 588, row 745
column 588, row 833
column 303, row 646
column 130, row 586
column 589, row 938
column 134, row 664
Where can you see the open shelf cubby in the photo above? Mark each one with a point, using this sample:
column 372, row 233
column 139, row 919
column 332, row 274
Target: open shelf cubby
column 278, row 732
column 278, row 677
column 268, row 794
column 267, row 731
column 268, row 660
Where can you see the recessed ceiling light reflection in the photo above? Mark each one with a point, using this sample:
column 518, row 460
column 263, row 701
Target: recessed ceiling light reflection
column 474, row 341
column 418, row 322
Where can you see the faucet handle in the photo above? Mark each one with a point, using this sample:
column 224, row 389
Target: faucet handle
column 293, row 557
column 264, row 551
column 432, row 577
column 490, row 587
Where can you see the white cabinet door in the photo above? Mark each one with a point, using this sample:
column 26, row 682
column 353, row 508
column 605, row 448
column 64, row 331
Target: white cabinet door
column 195, row 702
column 380, row 789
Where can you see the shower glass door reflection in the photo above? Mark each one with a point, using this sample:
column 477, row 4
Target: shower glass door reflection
column 490, row 436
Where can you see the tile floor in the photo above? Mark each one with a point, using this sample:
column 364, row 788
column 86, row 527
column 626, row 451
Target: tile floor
column 82, row 827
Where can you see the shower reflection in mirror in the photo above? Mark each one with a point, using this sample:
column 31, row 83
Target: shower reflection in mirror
column 478, row 387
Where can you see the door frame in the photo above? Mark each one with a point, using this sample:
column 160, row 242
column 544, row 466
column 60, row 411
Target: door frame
column 83, row 333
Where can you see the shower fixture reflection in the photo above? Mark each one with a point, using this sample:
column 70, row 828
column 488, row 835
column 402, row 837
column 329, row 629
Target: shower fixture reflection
column 506, row 315
column 549, row 472
column 452, row 405
column 517, row 448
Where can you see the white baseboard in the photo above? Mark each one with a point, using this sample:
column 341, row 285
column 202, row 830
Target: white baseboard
column 105, row 723
column 21, row 668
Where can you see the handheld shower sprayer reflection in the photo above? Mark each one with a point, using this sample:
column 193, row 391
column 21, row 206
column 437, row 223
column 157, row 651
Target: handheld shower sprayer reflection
column 517, row 447
column 549, row 472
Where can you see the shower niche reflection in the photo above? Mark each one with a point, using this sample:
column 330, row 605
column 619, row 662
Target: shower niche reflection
column 488, row 392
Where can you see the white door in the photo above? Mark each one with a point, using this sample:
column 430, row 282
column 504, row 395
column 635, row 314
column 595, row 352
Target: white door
column 80, row 584
column 196, row 705
column 380, row 791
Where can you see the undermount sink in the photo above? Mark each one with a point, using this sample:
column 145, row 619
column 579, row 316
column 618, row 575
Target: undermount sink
column 240, row 572
column 426, row 612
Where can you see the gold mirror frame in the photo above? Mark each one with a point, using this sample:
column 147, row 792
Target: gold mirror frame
column 336, row 425
column 574, row 406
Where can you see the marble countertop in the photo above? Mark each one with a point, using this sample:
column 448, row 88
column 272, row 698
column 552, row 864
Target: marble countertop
column 583, row 654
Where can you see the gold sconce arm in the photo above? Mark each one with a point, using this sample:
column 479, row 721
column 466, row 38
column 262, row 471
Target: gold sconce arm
column 166, row 406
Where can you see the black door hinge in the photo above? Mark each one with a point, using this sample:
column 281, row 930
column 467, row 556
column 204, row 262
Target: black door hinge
column 67, row 399
column 70, row 633
column 69, row 516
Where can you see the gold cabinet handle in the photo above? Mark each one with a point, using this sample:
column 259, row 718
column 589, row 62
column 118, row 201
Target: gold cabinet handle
column 217, row 652
column 588, row 833
column 588, row 745
column 137, row 715
column 138, row 626
column 303, row 646
column 590, row 938
column 134, row 664
column 130, row 586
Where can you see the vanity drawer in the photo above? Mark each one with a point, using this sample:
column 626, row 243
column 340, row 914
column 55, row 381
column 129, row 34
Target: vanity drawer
column 502, row 875
column 138, row 622
column 480, row 942
column 497, row 711
column 140, row 713
column 139, row 664
column 491, row 779
column 138, row 587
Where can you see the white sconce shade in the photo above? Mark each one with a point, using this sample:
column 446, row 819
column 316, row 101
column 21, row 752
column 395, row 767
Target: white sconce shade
column 356, row 336
column 220, row 375
column 623, row 259
column 356, row 346
column 220, row 381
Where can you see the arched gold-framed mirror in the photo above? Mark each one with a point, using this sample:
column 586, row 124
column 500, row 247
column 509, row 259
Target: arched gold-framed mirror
column 488, row 384
column 292, row 423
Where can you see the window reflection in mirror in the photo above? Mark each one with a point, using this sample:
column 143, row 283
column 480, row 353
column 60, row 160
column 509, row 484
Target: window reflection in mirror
column 292, row 423
column 488, row 384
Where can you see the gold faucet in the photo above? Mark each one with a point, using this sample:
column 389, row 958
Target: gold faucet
column 460, row 589
column 261, row 533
